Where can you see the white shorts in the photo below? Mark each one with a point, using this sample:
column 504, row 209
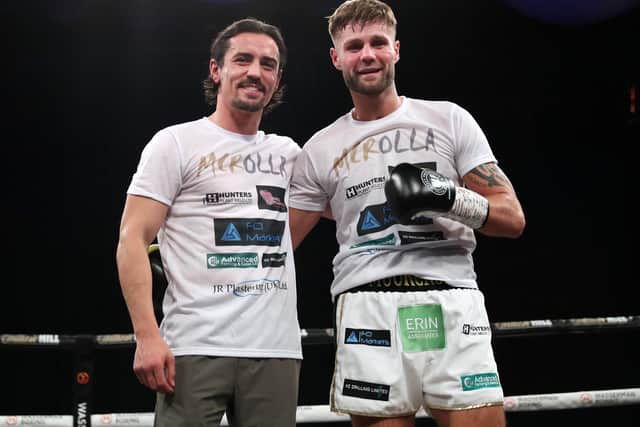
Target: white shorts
column 398, row 351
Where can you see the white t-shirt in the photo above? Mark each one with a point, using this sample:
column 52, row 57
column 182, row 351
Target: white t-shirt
column 346, row 165
column 225, row 244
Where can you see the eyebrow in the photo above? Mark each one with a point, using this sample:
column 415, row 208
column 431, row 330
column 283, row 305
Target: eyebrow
column 358, row 40
column 265, row 58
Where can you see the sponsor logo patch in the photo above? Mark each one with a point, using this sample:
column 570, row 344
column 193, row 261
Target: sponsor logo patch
column 250, row 288
column 230, row 198
column 233, row 260
column 468, row 329
column 436, row 183
column 365, row 390
column 379, row 217
column 274, row 260
column 388, row 240
column 365, row 187
column 375, row 218
column 248, row 232
column 406, row 238
column 271, row 198
column 421, row 327
column 477, row 381
column 372, row 337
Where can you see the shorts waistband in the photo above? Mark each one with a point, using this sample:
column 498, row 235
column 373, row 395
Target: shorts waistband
column 403, row 283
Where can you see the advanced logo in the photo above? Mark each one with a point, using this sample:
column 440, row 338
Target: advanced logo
column 274, row 260
column 231, row 198
column 468, row 329
column 271, row 198
column 248, row 232
column 365, row 187
column 372, row 337
column 251, row 288
column 388, row 240
column 233, row 260
column 475, row 382
column 365, row 390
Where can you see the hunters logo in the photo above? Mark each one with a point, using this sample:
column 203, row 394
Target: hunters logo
column 248, row 232
column 376, row 338
column 274, row 260
column 231, row 197
column 365, row 187
column 468, row 329
column 271, row 198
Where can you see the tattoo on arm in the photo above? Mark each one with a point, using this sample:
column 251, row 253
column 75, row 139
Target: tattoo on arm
column 490, row 175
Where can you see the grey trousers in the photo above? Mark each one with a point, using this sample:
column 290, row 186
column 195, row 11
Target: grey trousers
column 253, row 393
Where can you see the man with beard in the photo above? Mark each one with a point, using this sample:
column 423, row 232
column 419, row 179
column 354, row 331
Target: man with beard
column 408, row 181
column 229, row 340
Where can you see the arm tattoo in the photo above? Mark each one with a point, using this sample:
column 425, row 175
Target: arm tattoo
column 490, row 175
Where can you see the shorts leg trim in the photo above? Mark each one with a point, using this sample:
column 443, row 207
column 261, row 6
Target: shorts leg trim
column 465, row 408
column 371, row 414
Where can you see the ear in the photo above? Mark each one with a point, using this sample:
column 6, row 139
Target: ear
column 396, row 47
column 278, row 79
column 214, row 71
column 334, row 58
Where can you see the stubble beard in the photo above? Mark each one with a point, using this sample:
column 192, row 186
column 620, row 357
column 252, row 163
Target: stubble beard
column 354, row 84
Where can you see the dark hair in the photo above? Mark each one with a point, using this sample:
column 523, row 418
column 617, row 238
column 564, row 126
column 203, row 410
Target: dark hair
column 360, row 12
column 219, row 48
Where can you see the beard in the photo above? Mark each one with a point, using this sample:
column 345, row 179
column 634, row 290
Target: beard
column 353, row 83
column 249, row 107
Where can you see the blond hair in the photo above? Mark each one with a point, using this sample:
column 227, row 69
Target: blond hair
column 360, row 12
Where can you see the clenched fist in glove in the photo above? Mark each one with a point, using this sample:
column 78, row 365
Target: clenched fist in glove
column 415, row 192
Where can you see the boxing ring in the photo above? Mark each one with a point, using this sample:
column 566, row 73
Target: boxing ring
column 83, row 348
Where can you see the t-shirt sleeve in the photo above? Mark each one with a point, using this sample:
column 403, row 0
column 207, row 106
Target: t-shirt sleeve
column 306, row 191
column 158, row 175
column 473, row 148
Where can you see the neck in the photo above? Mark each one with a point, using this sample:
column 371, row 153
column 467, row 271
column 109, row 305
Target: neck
column 373, row 107
column 237, row 121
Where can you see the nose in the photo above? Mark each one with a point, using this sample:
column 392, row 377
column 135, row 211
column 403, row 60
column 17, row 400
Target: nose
column 367, row 53
column 254, row 69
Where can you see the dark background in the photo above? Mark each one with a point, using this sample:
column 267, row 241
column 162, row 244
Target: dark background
column 87, row 83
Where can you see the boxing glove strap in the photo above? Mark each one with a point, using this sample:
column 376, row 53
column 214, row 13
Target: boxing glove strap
column 469, row 208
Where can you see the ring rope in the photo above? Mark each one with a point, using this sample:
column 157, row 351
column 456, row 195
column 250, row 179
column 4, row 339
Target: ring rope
column 83, row 346
column 322, row 413
column 326, row 335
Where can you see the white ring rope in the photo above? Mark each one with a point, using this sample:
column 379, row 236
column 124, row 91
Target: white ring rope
column 325, row 336
column 321, row 413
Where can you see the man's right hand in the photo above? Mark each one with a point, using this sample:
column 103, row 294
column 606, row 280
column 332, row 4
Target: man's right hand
column 154, row 364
